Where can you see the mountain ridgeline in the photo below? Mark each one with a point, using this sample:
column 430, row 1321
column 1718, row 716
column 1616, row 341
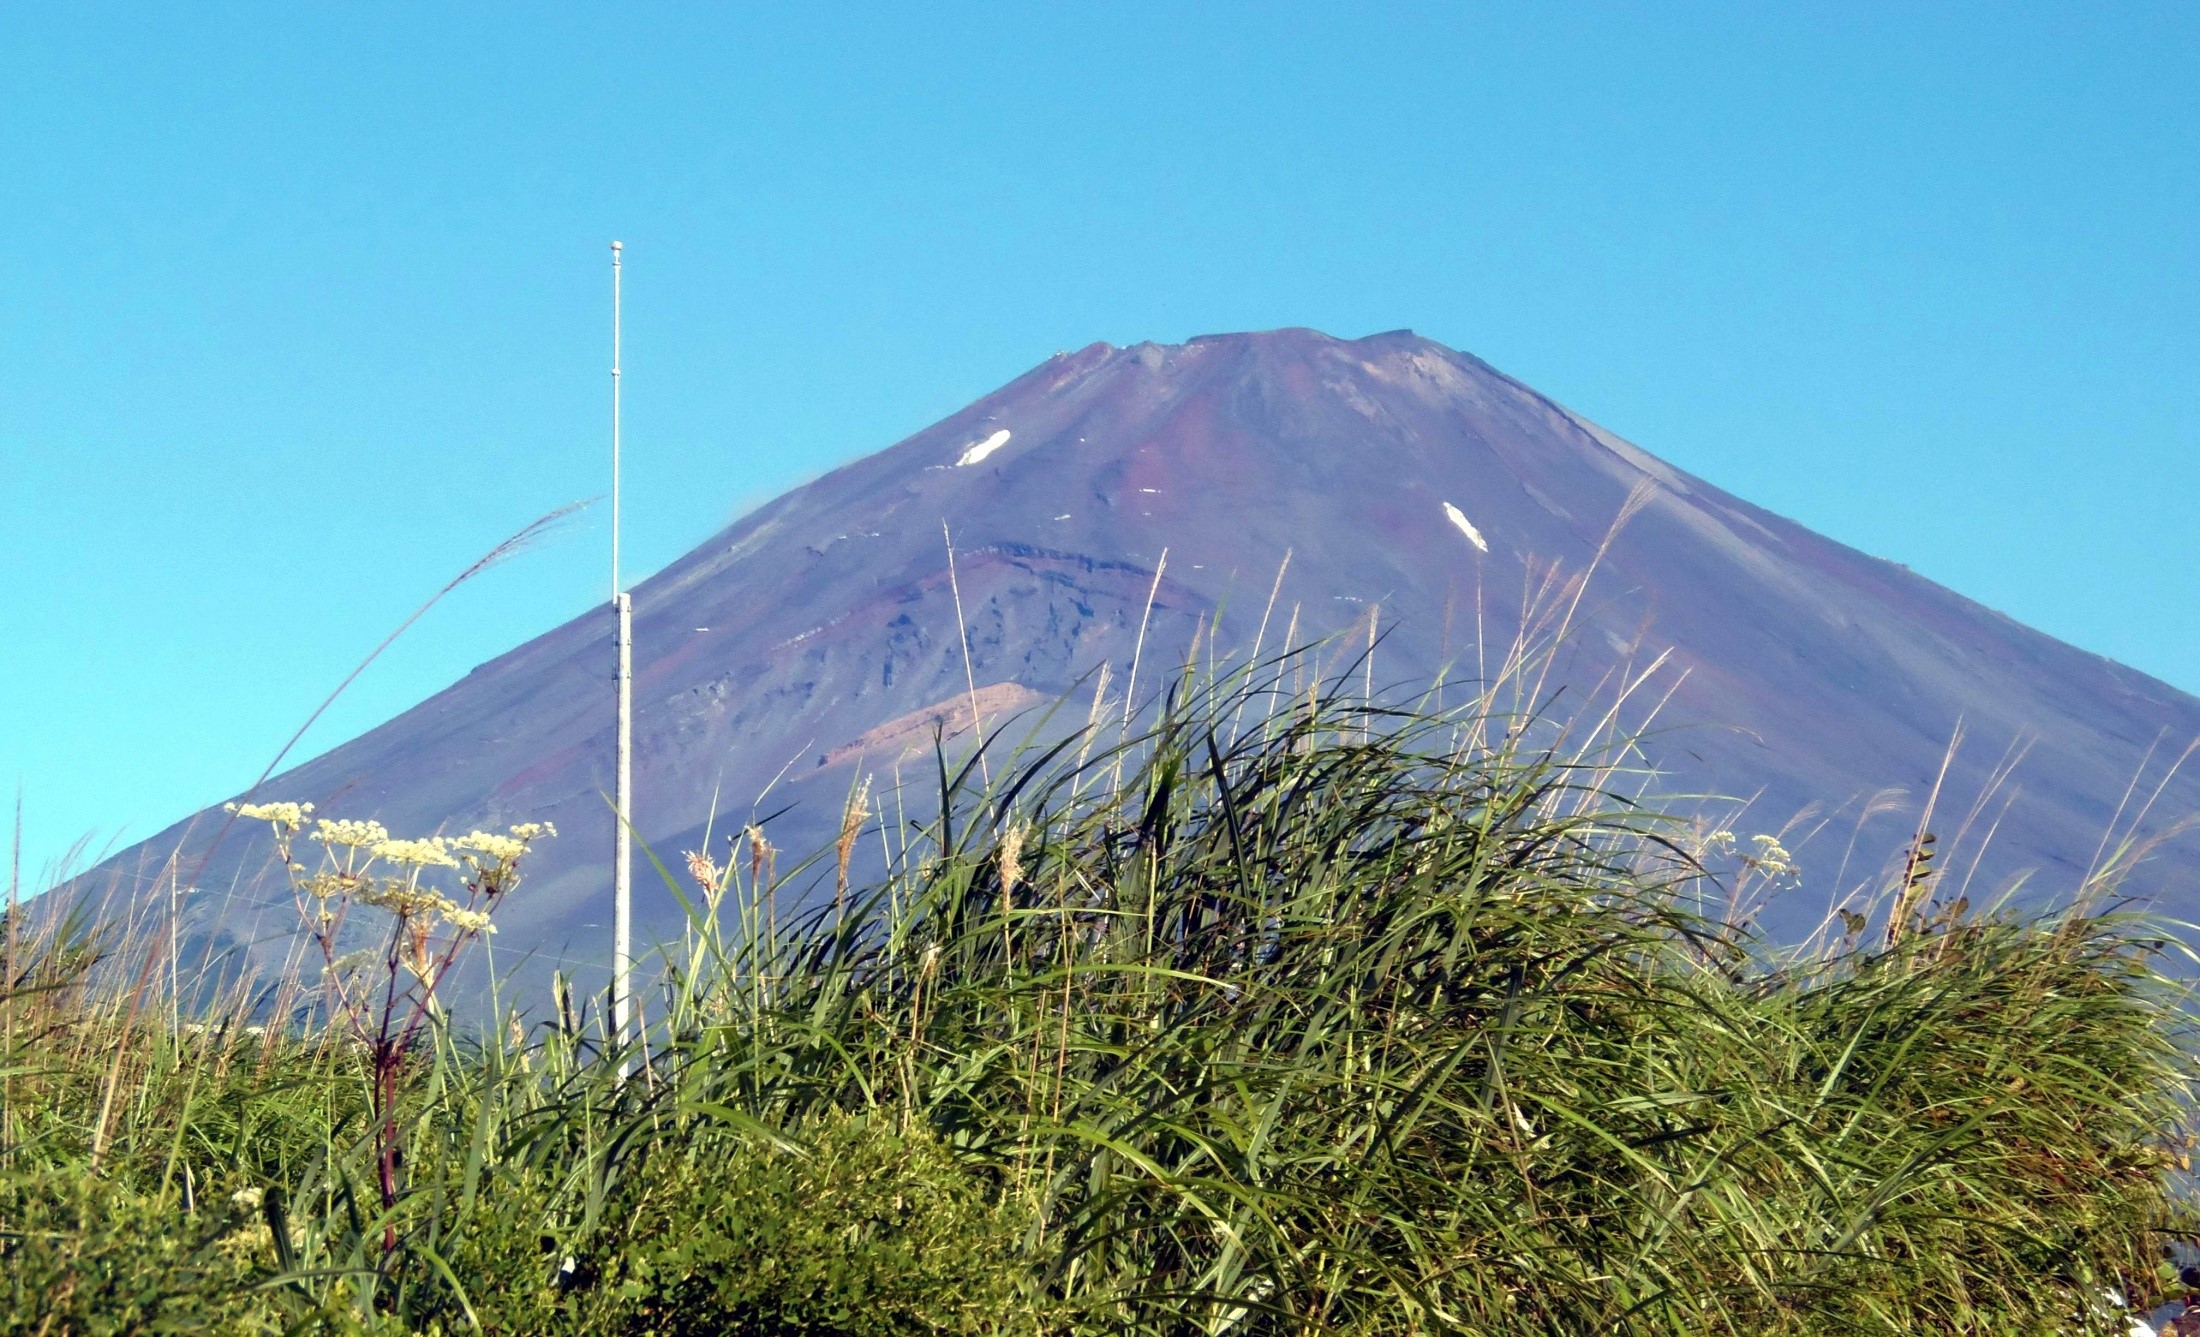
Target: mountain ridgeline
column 1160, row 502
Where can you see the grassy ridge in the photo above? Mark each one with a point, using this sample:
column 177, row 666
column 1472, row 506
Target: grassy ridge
column 1285, row 1013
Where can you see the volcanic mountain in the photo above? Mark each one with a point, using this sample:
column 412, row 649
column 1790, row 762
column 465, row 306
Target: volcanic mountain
column 1420, row 496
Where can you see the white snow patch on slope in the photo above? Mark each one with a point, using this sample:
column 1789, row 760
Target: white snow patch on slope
column 1466, row 527
column 978, row 450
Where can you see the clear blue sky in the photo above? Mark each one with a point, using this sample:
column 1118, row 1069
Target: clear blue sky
column 303, row 307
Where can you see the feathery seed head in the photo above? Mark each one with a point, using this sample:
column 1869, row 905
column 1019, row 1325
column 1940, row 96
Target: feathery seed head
column 1012, row 857
column 761, row 854
column 704, row 870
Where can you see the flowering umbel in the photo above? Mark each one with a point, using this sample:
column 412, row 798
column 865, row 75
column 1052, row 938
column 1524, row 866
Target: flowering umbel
column 437, row 894
column 362, row 864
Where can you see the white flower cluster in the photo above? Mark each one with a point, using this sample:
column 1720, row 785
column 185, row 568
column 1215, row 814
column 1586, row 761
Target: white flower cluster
column 469, row 921
column 1771, row 858
column 354, row 848
column 433, row 852
column 329, row 884
column 350, row 834
column 285, row 817
column 404, row 899
column 1765, row 854
column 484, row 845
column 423, row 906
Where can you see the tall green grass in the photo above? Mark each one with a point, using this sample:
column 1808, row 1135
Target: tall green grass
column 1281, row 1010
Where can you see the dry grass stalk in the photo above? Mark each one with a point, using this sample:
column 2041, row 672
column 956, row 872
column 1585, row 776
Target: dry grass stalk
column 853, row 815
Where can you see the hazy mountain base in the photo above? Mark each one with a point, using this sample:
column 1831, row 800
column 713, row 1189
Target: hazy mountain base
column 1289, row 1013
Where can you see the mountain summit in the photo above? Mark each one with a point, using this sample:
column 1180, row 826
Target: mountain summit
column 1413, row 487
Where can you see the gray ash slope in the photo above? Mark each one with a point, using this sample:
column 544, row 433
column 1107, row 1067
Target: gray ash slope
column 772, row 655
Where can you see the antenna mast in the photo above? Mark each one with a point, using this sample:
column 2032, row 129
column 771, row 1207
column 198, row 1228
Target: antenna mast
column 622, row 891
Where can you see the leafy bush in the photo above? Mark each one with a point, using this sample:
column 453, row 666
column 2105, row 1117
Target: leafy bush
column 863, row 1232
column 85, row 1256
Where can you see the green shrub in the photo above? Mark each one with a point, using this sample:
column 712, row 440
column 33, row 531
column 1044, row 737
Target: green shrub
column 863, row 1232
column 84, row 1256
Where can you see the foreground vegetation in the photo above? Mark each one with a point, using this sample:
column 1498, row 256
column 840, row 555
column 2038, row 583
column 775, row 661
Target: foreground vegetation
column 1284, row 1013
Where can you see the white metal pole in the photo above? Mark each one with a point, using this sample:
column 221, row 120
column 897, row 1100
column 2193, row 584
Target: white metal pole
column 616, row 249
column 622, row 890
column 622, row 911
column 175, row 992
